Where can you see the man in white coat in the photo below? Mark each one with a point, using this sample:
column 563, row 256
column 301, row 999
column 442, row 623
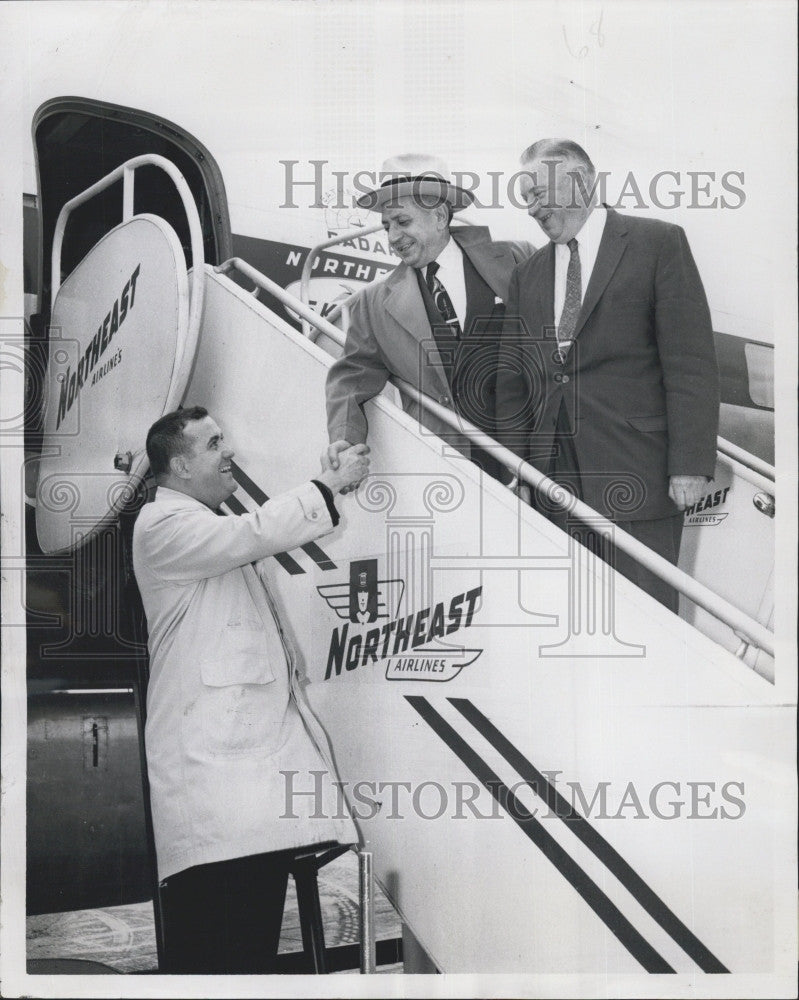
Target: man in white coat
column 223, row 718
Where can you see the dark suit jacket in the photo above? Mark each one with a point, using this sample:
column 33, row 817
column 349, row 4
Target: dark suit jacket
column 640, row 384
column 390, row 334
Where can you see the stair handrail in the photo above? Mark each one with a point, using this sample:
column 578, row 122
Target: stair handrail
column 748, row 461
column 751, row 468
column 313, row 253
column 126, row 171
column 748, row 629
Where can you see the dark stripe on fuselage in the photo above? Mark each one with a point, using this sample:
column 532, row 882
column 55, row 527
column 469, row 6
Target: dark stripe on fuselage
column 593, row 840
column 604, row 908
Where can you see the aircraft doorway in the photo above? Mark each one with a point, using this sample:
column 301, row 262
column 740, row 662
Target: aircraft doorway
column 78, row 141
column 84, row 640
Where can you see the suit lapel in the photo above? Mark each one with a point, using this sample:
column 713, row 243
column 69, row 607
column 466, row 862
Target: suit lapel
column 611, row 248
column 546, row 287
column 405, row 305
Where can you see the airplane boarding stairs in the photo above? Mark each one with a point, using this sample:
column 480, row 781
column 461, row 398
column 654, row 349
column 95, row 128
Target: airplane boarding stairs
column 531, row 746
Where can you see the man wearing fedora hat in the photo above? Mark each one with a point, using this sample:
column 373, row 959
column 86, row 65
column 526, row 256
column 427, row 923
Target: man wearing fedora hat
column 435, row 320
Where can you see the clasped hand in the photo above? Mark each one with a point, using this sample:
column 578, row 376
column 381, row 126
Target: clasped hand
column 345, row 465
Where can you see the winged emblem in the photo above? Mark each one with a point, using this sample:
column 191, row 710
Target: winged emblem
column 389, row 598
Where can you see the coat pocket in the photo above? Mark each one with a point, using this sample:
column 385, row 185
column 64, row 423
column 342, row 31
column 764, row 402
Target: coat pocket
column 244, row 664
column 658, row 422
column 238, row 697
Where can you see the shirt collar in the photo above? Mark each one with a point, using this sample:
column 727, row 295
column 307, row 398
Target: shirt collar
column 592, row 228
column 450, row 257
column 178, row 496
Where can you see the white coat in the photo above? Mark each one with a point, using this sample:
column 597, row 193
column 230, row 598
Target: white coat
column 223, row 717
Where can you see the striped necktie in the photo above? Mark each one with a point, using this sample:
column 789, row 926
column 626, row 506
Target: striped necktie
column 442, row 300
column 571, row 304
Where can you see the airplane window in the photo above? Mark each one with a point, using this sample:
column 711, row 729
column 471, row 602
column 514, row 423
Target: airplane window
column 760, row 368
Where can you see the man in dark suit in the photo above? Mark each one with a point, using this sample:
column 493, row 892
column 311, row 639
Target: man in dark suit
column 609, row 382
column 435, row 319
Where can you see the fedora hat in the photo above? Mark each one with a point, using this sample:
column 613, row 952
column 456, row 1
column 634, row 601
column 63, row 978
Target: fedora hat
column 416, row 175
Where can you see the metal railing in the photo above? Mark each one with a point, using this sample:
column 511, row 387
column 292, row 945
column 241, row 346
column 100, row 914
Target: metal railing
column 751, row 632
column 313, row 253
column 749, row 466
column 366, row 906
column 126, row 172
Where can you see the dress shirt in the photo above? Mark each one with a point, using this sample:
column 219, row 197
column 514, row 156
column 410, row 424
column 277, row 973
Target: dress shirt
column 588, row 240
column 450, row 274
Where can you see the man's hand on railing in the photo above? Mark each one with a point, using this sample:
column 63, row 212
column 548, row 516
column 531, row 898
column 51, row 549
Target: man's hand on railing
column 524, row 492
column 344, row 466
column 685, row 491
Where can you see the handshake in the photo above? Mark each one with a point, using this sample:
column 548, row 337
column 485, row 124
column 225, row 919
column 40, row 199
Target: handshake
column 344, row 466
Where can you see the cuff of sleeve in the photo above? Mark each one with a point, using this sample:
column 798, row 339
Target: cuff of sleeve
column 327, row 496
column 345, row 432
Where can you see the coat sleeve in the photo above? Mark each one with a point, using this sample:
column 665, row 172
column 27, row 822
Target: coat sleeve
column 517, row 377
column 358, row 375
column 187, row 544
column 688, row 359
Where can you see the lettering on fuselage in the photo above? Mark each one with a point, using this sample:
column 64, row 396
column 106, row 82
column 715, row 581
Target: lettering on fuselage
column 361, row 269
column 694, row 514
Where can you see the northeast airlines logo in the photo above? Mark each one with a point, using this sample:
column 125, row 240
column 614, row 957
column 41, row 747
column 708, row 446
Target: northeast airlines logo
column 376, row 632
column 73, row 382
column 698, row 513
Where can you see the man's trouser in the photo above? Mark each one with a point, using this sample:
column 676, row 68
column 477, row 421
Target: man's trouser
column 225, row 917
column 662, row 535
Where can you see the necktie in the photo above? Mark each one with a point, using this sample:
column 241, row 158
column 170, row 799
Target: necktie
column 572, row 303
column 442, row 300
